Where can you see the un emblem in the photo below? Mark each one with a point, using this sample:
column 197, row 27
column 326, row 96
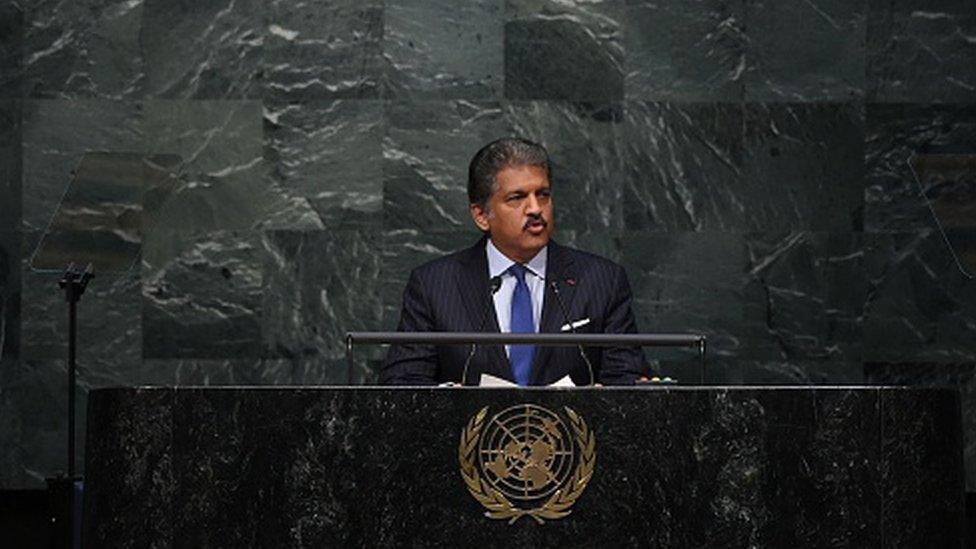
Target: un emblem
column 526, row 461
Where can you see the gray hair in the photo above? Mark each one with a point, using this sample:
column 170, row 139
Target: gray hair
column 502, row 153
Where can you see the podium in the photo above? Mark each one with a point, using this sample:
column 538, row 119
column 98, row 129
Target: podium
column 667, row 466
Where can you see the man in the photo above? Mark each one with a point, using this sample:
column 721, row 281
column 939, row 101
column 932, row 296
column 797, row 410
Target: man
column 511, row 202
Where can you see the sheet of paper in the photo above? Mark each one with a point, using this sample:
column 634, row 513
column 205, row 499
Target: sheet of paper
column 564, row 382
column 493, row 381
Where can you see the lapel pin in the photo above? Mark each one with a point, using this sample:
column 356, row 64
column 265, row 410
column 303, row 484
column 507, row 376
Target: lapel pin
column 571, row 281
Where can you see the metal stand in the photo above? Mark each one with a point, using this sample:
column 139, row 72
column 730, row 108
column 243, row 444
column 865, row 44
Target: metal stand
column 64, row 493
column 73, row 283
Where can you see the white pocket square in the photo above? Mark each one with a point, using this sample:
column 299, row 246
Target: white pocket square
column 575, row 324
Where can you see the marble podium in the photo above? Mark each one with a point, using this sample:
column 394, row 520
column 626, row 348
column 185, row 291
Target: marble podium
column 379, row 467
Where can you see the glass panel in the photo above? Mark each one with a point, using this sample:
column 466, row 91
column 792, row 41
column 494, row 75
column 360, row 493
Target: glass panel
column 948, row 183
column 111, row 201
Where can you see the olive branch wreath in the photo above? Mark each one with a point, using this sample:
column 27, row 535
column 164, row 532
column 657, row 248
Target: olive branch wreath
column 497, row 505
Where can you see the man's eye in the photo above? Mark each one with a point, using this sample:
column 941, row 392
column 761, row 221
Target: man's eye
column 515, row 197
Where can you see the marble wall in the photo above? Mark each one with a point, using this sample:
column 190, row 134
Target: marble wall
column 745, row 160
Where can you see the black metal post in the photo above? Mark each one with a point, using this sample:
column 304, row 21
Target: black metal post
column 701, row 351
column 349, row 360
column 72, row 373
column 73, row 283
column 495, row 338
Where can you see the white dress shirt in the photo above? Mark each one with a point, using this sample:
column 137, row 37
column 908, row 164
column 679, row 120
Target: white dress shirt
column 535, row 279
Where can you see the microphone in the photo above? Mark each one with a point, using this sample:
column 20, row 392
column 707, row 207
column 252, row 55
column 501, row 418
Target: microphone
column 554, row 284
column 493, row 285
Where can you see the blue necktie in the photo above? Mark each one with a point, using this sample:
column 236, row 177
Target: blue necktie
column 520, row 356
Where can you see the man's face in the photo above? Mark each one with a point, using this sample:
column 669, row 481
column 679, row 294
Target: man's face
column 519, row 216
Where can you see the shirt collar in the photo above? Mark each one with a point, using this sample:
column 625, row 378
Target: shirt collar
column 498, row 262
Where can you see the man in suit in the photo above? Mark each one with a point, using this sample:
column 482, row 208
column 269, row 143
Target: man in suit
column 507, row 282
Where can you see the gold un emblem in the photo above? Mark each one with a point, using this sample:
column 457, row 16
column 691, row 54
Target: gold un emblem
column 525, row 461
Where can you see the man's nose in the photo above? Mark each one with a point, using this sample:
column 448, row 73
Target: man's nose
column 532, row 205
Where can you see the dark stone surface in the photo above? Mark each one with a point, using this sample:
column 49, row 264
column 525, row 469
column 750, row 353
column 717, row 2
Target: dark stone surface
column 743, row 168
column 225, row 184
column 737, row 372
column 805, row 50
column 328, row 154
column 315, row 50
column 206, row 303
column 443, row 49
column 318, row 286
column 86, row 49
column 910, row 471
column 920, row 305
column 11, row 50
column 301, row 370
column 668, row 300
column 148, row 473
column 960, row 377
column 921, row 52
column 33, row 420
column 204, row 50
column 685, row 50
column 802, row 166
column 10, row 292
column 754, row 50
column 893, row 199
column 564, row 52
column 313, row 467
column 682, row 166
column 804, row 296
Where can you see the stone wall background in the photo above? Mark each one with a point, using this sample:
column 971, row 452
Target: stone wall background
column 745, row 160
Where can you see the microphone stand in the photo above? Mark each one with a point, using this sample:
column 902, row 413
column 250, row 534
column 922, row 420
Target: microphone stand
column 73, row 282
column 554, row 285
column 64, row 496
column 493, row 285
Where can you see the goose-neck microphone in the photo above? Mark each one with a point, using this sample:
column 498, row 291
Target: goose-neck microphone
column 554, row 284
column 493, row 285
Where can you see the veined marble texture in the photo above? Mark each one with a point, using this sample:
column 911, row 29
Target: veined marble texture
column 326, row 154
column 315, row 50
column 741, row 168
column 310, row 467
column 443, row 49
column 921, row 52
column 893, row 199
column 566, row 50
column 82, row 49
column 745, row 160
column 11, row 49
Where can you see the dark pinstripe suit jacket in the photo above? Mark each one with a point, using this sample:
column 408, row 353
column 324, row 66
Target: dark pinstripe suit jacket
column 449, row 295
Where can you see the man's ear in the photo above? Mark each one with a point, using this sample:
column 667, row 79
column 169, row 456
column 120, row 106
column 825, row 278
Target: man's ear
column 479, row 216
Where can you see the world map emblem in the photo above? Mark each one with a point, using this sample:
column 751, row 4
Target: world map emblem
column 525, row 461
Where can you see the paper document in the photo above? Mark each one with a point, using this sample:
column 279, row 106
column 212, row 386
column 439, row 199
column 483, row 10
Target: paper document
column 493, row 381
column 575, row 324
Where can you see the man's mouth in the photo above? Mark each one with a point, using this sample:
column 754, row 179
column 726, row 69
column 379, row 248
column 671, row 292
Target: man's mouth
column 535, row 226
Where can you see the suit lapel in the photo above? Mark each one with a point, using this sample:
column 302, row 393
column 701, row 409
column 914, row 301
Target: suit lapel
column 473, row 288
column 559, row 267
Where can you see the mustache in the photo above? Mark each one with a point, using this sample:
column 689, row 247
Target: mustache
column 533, row 219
